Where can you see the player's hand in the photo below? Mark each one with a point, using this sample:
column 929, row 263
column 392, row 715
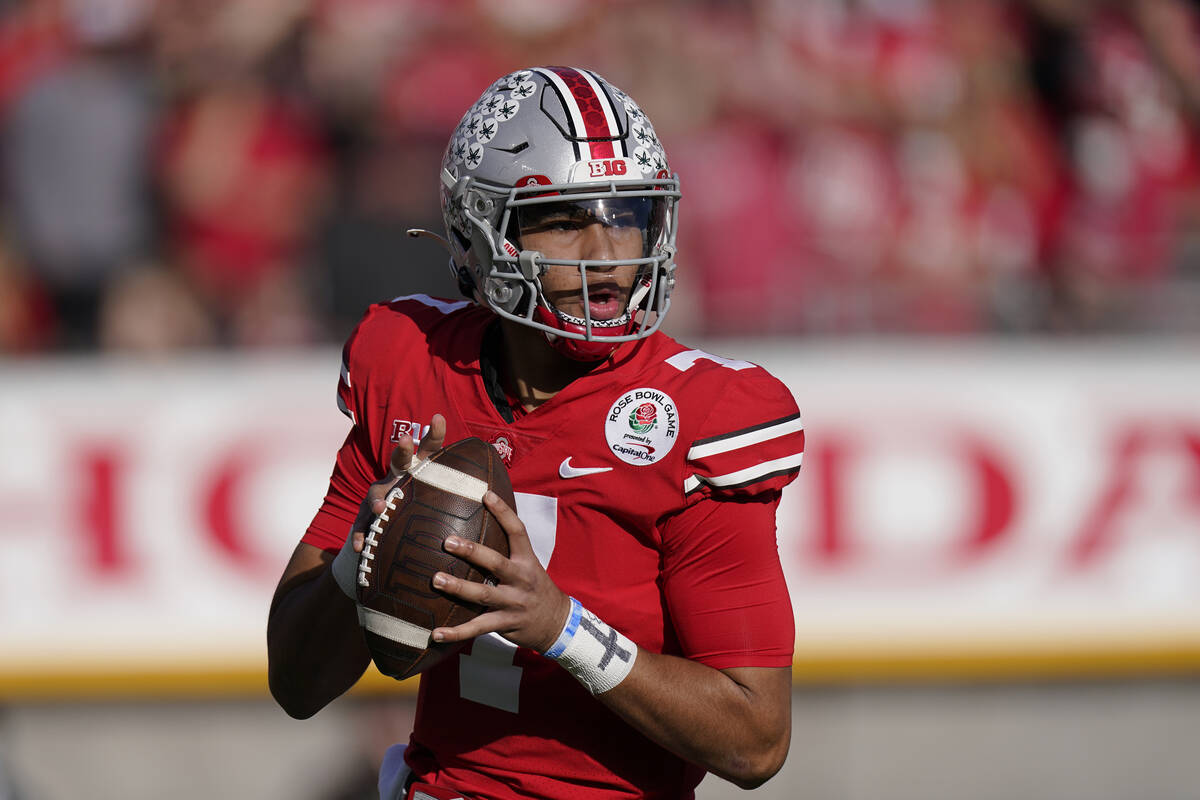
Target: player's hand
column 402, row 454
column 525, row 606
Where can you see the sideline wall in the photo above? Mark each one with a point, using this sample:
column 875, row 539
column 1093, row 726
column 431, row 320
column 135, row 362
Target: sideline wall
column 990, row 510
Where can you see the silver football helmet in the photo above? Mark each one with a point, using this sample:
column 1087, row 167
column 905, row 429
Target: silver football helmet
column 558, row 137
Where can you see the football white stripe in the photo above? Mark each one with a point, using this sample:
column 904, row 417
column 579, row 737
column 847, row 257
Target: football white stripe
column 746, row 439
column 450, row 480
column 398, row 630
column 747, row 475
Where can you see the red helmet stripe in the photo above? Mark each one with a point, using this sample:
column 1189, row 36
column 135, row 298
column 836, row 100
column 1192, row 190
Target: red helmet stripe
column 610, row 117
column 574, row 120
column 594, row 109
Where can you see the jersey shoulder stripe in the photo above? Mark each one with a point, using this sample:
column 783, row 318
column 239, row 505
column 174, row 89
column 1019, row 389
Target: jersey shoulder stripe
column 755, row 434
column 752, row 439
column 342, row 403
column 345, row 390
column 743, row 478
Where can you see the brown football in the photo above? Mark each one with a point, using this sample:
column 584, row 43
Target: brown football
column 398, row 607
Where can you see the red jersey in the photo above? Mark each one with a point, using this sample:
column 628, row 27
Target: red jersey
column 648, row 488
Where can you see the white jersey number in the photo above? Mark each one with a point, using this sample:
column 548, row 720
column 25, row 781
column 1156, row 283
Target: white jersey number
column 487, row 674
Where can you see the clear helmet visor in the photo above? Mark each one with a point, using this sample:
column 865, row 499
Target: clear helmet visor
column 632, row 225
column 601, row 246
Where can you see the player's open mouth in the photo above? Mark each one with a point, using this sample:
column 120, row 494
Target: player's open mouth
column 604, row 301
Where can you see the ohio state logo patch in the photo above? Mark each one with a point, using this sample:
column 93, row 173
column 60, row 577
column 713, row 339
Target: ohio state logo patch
column 642, row 426
column 504, row 448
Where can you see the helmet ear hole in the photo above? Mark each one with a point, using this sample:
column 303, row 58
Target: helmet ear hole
column 500, row 292
column 482, row 204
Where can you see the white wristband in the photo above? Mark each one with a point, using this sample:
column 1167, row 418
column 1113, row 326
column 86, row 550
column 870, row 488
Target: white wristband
column 594, row 652
column 345, row 569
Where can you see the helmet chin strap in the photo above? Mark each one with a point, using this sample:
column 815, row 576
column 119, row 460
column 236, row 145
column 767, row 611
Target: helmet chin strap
column 600, row 346
column 639, row 294
column 597, row 349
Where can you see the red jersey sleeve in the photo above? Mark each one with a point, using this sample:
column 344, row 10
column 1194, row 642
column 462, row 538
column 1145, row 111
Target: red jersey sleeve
column 750, row 444
column 724, row 585
column 356, row 466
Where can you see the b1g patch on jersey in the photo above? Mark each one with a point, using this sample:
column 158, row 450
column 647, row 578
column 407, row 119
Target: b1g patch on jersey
column 414, row 429
column 641, row 427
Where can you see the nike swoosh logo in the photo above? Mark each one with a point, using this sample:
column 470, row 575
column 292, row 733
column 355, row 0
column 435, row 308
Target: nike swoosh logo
column 565, row 470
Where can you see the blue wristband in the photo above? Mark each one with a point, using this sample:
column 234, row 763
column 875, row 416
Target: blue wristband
column 568, row 631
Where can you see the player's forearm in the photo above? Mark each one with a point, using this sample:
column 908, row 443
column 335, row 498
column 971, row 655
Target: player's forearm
column 736, row 724
column 315, row 649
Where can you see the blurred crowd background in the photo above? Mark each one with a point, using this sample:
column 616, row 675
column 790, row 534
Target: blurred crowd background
column 239, row 173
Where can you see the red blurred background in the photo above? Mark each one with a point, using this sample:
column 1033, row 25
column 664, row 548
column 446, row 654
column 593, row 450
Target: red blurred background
column 1011, row 188
column 228, row 173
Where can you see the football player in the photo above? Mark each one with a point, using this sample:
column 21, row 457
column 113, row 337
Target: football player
column 640, row 632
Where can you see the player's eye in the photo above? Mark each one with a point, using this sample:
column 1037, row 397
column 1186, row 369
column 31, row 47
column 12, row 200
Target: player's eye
column 561, row 223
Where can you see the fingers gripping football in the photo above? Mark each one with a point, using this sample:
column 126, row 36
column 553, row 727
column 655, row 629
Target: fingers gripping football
column 401, row 460
column 525, row 606
column 440, row 496
column 345, row 564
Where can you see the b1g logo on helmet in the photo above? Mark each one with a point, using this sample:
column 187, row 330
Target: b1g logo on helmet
column 608, row 167
column 601, row 168
column 642, row 426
